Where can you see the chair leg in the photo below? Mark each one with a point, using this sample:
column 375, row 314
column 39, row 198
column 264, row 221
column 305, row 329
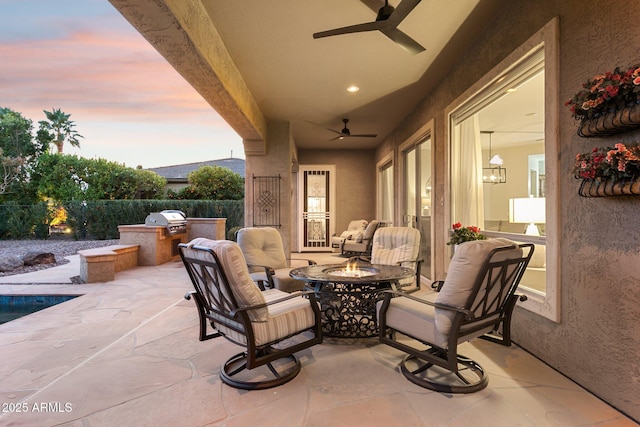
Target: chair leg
column 468, row 378
column 234, row 372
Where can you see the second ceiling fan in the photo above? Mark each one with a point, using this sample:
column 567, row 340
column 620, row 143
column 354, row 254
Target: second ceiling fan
column 386, row 22
column 346, row 133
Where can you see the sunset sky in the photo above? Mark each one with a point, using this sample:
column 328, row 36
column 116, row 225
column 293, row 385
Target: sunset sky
column 131, row 106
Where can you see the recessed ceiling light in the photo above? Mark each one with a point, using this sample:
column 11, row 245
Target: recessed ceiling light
column 353, row 89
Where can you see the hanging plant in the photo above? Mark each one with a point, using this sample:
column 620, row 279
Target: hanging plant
column 608, row 103
column 609, row 171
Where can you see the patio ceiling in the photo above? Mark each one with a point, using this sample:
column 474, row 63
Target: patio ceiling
column 293, row 77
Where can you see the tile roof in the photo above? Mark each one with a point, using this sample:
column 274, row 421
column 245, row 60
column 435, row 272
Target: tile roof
column 180, row 172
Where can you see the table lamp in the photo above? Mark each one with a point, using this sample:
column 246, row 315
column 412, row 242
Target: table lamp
column 528, row 210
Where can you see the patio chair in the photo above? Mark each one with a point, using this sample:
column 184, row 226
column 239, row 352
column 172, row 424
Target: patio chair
column 269, row 267
column 362, row 248
column 398, row 246
column 476, row 300
column 354, row 232
column 229, row 300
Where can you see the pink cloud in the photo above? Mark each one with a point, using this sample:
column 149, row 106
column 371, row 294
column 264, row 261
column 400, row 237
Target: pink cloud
column 122, row 95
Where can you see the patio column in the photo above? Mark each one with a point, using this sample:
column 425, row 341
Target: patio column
column 273, row 162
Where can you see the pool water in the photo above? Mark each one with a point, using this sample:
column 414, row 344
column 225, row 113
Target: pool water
column 15, row 306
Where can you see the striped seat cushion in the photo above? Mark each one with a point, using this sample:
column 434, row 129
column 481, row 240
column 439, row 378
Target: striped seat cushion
column 396, row 246
column 284, row 319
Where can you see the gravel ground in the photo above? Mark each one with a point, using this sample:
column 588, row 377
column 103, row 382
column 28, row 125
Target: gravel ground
column 60, row 247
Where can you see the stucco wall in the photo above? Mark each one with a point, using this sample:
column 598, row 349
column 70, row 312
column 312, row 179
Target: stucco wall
column 597, row 342
column 355, row 182
column 276, row 161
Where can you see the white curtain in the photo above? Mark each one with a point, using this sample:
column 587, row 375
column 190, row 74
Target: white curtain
column 387, row 203
column 466, row 174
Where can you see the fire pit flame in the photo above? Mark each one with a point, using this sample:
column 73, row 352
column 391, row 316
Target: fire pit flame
column 352, row 270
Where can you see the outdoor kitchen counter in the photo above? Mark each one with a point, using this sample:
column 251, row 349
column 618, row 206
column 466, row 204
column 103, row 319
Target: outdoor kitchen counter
column 157, row 246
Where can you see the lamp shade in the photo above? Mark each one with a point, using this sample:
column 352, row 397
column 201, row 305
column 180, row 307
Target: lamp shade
column 527, row 210
column 496, row 160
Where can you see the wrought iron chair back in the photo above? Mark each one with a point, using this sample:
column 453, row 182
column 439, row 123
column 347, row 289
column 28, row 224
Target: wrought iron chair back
column 233, row 306
column 214, row 299
column 481, row 307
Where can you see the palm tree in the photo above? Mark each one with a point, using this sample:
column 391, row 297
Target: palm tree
column 60, row 129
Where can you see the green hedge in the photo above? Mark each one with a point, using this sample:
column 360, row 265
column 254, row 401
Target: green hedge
column 100, row 219
column 25, row 221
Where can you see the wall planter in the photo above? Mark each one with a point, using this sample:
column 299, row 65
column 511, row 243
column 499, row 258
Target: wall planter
column 608, row 103
column 608, row 187
column 609, row 171
column 611, row 123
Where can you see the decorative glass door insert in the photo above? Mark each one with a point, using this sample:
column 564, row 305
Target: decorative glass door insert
column 317, row 188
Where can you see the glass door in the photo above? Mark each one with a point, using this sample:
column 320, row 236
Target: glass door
column 317, row 206
column 417, row 197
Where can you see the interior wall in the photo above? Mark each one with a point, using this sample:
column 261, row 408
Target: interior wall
column 355, row 182
column 597, row 341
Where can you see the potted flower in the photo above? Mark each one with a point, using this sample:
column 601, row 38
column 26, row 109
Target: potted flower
column 608, row 171
column 462, row 234
column 608, row 103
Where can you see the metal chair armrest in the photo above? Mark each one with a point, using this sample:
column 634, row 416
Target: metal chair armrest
column 310, row 261
column 292, row 295
column 437, row 285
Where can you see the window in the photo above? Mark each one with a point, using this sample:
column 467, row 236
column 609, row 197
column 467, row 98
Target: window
column 502, row 158
column 386, row 202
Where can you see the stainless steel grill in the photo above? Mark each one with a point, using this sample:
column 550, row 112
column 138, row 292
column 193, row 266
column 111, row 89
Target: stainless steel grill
column 175, row 222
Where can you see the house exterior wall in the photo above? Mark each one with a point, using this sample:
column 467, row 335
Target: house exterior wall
column 355, row 182
column 276, row 161
column 597, row 341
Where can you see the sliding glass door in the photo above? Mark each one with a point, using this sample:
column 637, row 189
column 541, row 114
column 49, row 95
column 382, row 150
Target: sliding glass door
column 417, row 196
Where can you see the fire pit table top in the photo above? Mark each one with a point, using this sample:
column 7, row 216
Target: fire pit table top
column 358, row 273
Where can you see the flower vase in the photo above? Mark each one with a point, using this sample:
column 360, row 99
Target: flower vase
column 611, row 123
column 604, row 188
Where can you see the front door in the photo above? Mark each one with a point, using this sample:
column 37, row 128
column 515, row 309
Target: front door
column 317, row 204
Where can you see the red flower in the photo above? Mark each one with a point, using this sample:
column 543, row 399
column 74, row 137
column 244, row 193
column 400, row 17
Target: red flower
column 456, row 226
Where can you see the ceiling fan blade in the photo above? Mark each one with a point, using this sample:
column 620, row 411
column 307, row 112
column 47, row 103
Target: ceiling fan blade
column 369, row 26
column 374, row 5
column 363, row 135
column 402, row 10
column 406, row 42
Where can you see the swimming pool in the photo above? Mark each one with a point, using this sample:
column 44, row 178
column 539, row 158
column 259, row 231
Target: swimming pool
column 15, row 306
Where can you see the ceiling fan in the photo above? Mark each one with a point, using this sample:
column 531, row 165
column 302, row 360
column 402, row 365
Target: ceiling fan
column 386, row 22
column 346, row 133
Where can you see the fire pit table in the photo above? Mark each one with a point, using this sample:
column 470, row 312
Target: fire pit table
column 348, row 293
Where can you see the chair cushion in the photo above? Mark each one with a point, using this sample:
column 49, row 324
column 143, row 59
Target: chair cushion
column 392, row 245
column 355, row 235
column 371, row 228
column 281, row 280
column 357, row 225
column 463, row 271
column 351, row 246
column 539, row 257
column 262, row 246
column 234, row 266
column 285, row 318
column 415, row 319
